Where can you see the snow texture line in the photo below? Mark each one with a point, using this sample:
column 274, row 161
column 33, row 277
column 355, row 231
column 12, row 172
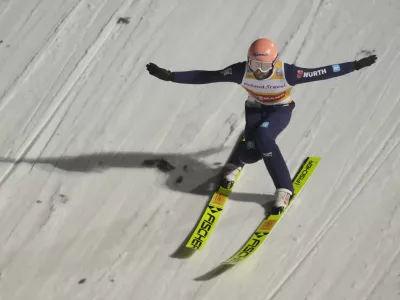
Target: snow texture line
column 62, row 95
column 382, row 275
column 30, row 66
column 338, row 212
column 302, row 47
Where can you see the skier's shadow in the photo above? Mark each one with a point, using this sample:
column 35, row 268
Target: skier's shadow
column 186, row 173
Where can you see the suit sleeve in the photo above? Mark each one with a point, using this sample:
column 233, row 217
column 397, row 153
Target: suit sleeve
column 297, row 75
column 233, row 73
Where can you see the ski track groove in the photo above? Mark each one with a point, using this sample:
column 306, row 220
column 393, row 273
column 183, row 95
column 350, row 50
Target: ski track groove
column 362, row 182
column 144, row 45
column 337, row 183
column 359, row 133
column 62, row 96
column 214, row 115
column 170, row 125
column 32, row 11
column 182, row 104
column 325, row 229
column 246, row 22
column 382, row 275
column 299, row 52
column 2, row 13
column 26, row 73
column 30, row 66
column 312, row 130
column 30, row 238
column 304, row 144
column 309, row 31
column 388, row 267
column 347, row 165
column 29, row 69
column 302, row 23
column 13, row 255
column 53, row 133
column 44, row 97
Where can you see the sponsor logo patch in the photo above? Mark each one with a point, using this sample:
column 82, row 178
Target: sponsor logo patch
column 304, row 173
column 205, row 227
column 226, row 72
column 268, row 154
column 268, row 225
column 315, row 73
column 300, row 73
column 260, row 54
column 219, row 200
column 336, row 68
column 250, row 145
column 265, row 86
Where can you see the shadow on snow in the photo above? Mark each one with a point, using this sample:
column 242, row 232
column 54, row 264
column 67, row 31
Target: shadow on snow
column 185, row 173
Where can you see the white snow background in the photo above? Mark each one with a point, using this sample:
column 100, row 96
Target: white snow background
column 82, row 218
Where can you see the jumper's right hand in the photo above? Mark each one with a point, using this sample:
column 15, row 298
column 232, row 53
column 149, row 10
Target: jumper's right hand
column 159, row 72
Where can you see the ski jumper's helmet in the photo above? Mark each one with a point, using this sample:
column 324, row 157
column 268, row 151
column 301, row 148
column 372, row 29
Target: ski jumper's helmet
column 262, row 55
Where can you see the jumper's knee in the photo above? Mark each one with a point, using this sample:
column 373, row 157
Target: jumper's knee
column 248, row 153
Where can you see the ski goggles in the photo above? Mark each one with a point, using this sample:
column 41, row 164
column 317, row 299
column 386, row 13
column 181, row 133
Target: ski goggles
column 263, row 66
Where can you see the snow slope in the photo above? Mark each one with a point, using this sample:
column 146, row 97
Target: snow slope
column 81, row 215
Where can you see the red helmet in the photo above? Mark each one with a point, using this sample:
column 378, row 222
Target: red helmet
column 262, row 55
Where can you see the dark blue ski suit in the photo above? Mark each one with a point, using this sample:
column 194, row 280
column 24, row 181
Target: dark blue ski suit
column 267, row 114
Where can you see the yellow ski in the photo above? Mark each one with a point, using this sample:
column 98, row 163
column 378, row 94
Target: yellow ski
column 266, row 226
column 210, row 217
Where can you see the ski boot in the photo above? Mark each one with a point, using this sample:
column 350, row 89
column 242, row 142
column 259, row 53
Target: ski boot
column 282, row 201
column 229, row 173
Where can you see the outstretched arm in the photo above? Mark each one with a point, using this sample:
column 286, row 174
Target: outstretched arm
column 233, row 73
column 297, row 75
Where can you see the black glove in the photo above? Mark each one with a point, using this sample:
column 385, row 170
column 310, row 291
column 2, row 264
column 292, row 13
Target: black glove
column 159, row 72
column 365, row 62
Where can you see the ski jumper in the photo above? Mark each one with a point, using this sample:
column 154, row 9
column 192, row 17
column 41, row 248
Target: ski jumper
column 268, row 108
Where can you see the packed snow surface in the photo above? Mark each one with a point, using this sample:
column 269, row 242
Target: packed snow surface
column 104, row 169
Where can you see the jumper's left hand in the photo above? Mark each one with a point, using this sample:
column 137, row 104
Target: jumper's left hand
column 365, row 62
